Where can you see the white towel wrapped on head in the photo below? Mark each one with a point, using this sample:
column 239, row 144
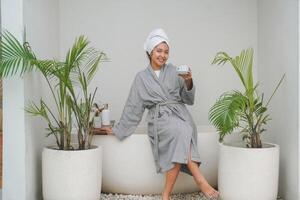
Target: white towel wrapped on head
column 154, row 38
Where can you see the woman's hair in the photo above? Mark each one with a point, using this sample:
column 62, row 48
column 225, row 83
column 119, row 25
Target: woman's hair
column 148, row 55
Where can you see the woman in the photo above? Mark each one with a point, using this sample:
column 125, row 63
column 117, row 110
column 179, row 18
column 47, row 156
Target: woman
column 171, row 129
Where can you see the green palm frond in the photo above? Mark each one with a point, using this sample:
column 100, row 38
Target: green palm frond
column 36, row 110
column 92, row 66
column 88, row 58
column 41, row 110
column 15, row 57
column 242, row 64
column 77, row 52
column 265, row 119
column 259, row 108
column 49, row 68
column 222, row 58
column 225, row 114
column 248, row 62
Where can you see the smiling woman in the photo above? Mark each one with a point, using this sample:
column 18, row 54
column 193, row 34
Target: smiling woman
column 171, row 129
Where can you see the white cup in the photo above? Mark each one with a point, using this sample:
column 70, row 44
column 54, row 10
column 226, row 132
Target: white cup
column 183, row 69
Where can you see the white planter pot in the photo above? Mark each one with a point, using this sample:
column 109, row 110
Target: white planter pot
column 72, row 175
column 248, row 173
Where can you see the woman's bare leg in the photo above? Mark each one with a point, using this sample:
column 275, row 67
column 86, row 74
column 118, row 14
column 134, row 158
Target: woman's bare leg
column 204, row 186
column 171, row 177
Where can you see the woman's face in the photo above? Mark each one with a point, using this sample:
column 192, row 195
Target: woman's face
column 159, row 55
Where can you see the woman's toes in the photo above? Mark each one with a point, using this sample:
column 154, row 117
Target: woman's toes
column 215, row 194
column 211, row 193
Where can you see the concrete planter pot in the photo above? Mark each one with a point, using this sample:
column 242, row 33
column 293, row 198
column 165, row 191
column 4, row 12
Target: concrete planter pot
column 72, row 175
column 248, row 173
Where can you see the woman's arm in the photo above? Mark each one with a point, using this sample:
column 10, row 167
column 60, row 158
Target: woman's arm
column 131, row 116
column 187, row 88
column 132, row 113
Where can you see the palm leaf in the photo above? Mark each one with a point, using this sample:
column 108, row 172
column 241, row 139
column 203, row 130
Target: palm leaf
column 249, row 67
column 92, row 67
column 222, row 58
column 15, row 57
column 77, row 53
column 225, row 114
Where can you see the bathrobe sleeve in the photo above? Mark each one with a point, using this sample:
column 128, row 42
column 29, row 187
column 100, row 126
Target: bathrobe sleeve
column 187, row 96
column 132, row 113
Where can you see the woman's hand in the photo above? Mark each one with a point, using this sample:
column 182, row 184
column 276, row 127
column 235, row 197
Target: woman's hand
column 103, row 131
column 108, row 130
column 188, row 80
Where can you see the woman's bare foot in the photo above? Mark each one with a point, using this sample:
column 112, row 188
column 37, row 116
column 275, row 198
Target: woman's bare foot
column 165, row 196
column 208, row 191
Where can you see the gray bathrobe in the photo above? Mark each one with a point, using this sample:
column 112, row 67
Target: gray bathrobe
column 171, row 129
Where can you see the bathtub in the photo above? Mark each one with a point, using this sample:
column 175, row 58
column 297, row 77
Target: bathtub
column 128, row 165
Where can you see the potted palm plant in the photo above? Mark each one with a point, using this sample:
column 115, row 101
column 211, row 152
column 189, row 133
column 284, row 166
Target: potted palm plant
column 248, row 169
column 71, row 170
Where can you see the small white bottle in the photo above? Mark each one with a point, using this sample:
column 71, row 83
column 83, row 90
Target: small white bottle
column 105, row 116
column 97, row 121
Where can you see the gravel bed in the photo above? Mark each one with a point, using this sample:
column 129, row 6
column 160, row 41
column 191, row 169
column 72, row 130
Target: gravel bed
column 189, row 196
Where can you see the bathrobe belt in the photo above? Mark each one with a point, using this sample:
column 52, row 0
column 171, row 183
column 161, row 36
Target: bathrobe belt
column 157, row 108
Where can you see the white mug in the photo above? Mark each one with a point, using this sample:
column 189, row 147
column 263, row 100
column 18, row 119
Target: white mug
column 183, row 69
